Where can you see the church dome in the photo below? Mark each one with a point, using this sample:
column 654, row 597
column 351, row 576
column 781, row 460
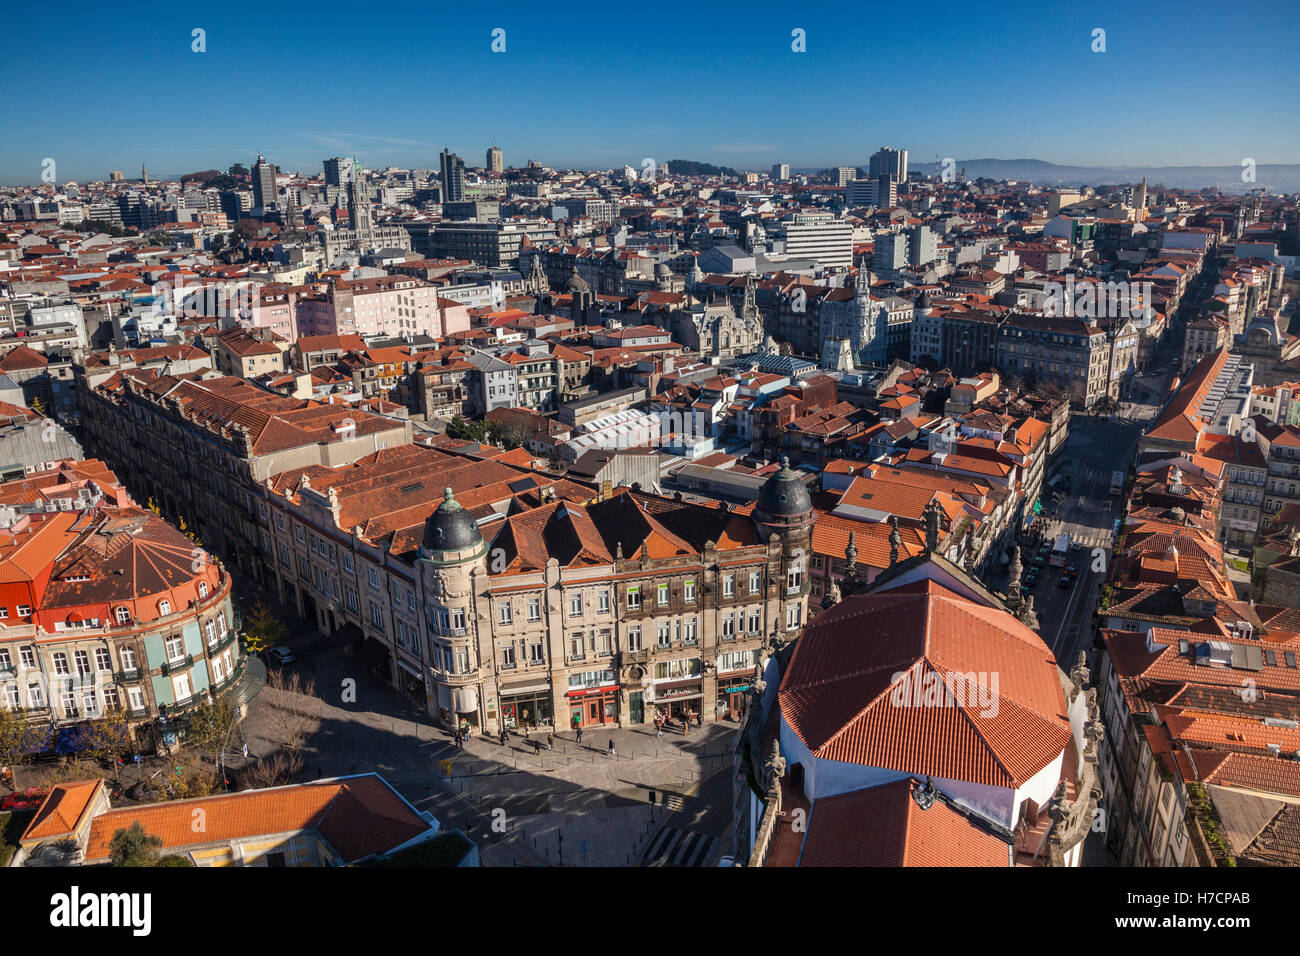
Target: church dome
column 924, row 301
column 785, row 494
column 576, row 282
column 451, row 527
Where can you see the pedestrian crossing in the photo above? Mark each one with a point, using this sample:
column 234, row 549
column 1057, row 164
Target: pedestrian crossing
column 674, row 847
column 674, row 801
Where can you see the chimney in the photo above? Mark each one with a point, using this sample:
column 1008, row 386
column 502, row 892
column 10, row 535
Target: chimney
column 606, row 490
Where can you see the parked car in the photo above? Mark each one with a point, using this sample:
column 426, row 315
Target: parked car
column 28, row 799
column 280, row 655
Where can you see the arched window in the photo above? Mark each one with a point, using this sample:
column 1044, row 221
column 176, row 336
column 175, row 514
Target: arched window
column 123, row 615
column 164, row 607
column 203, row 589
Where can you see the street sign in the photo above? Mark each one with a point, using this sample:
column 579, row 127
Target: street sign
column 445, row 767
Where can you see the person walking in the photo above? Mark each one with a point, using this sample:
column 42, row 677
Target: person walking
column 537, row 748
column 579, row 733
column 610, row 751
column 659, row 728
column 699, row 720
column 550, row 741
column 505, row 735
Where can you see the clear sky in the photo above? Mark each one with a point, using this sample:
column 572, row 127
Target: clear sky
column 99, row 86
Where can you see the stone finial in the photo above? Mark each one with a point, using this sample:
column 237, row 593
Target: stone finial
column 773, row 765
column 833, row 595
column 1059, row 808
column 1027, row 615
column 851, row 552
column 924, row 795
column 931, row 515
column 895, row 541
column 1079, row 673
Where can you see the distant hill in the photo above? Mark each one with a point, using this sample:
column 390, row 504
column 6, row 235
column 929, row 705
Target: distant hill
column 1277, row 177
column 687, row 167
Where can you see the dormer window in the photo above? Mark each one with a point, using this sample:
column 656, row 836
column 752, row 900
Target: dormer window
column 203, row 589
column 122, row 615
column 164, row 607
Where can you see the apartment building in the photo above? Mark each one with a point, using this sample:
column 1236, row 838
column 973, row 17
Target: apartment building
column 202, row 448
column 106, row 607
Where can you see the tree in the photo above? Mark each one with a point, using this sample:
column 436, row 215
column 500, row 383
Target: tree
column 238, row 169
column 263, row 629
column 211, row 727
column 13, row 741
column 133, row 846
column 465, row 430
column 218, row 242
column 37, row 407
column 107, row 739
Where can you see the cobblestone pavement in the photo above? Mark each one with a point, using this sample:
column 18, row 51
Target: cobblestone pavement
column 573, row 805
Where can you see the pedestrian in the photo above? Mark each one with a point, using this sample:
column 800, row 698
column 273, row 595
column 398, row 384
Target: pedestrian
column 659, row 728
column 550, row 741
column 699, row 720
column 504, row 735
column 610, row 751
column 537, row 748
column 579, row 733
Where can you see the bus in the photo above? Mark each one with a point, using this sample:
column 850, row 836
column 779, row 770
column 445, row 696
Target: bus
column 1060, row 550
column 1117, row 482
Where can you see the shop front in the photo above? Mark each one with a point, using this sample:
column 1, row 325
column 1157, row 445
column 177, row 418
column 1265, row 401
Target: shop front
column 733, row 694
column 676, row 700
column 591, row 708
column 528, row 706
column 593, row 699
column 458, row 707
column 412, row 682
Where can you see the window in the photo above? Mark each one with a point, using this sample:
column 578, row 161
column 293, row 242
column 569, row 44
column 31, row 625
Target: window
column 4, row 613
column 728, row 627
column 128, row 658
column 181, row 685
column 508, row 657
column 90, row 700
column 755, row 582
column 164, row 607
column 535, row 654
column 634, row 638
column 373, row 575
column 663, row 595
column 24, row 610
column 576, row 646
column 27, row 656
column 504, row 612
column 458, row 619
column 534, row 609
column 203, row 589
column 793, row 580
column 12, row 700
column 83, row 661
column 729, row 586
column 6, row 663
column 297, row 534
column 60, row 662
column 634, row 598
column 664, row 635
column 605, row 643
column 376, row 616
column 35, row 694
column 111, row 700
column 793, row 616
column 69, row 702
column 210, row 628
column 175, row 650
column 347, row 562
column 602, row 602
column 688, row 591
column 755, row 621
column 136, row 698
column 692, row 637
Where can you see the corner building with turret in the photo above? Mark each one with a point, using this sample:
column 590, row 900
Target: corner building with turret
column 504, row 598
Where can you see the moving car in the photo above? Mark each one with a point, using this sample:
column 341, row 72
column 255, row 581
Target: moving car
column 280, row 655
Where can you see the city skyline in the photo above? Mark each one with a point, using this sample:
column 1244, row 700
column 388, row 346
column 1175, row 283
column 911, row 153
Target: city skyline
column 212, row 105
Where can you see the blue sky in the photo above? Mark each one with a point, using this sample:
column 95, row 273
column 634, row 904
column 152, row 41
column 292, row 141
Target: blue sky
column 106, row 86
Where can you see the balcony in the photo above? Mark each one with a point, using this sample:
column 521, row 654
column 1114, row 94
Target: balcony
column 464, row 679
column 137, row 713
column 172, row 667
